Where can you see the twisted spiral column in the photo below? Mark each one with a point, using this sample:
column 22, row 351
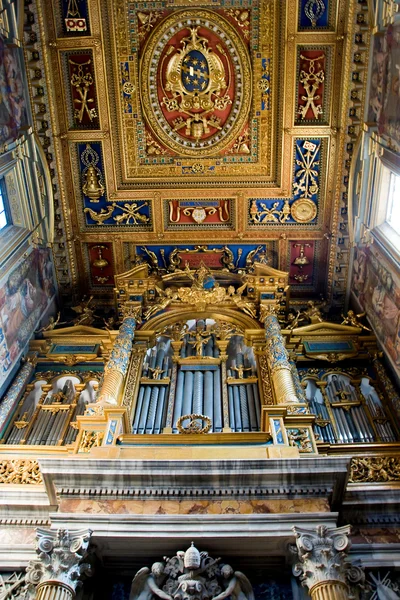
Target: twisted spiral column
column 117, row 366
column 278, row 362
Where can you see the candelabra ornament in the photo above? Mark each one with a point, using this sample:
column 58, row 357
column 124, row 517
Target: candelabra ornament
column 190, row 575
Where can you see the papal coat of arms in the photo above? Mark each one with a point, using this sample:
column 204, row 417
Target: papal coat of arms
column 195, row 83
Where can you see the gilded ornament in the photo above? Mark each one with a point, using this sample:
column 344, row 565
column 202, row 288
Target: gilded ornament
column 314, row 9
column 352, row 319
column 90, row 439
column 300, row 437
column 306, row 176
column 194, row 425
column 304, row 210
column 82, row 80
column 100, row 216
column 311, row 81
column 100, row 262
column 131, row 214
column 92, row 188
column 269, row 215
column 206, row 84
column 374, row 469
column 20, row 472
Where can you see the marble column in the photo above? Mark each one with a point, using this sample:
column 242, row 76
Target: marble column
column 117, row 366
column 55, row 574
column 323, row 565
column 278, row 362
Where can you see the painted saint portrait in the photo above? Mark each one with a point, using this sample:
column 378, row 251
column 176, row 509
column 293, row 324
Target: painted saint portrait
column 378, row 293
column 24, row 296
column 13, row 111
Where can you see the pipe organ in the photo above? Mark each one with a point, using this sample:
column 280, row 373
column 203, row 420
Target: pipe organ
column 348, row 408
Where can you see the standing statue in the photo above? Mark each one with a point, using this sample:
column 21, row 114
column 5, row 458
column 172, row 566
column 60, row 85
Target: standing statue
column 236, row 585
column 147, row 584
column 201, row 339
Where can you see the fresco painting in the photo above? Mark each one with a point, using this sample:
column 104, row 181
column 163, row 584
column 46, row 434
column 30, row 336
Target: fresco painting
column 376, row 287
column 384, row 98
column 13, row 113
column 24, row 295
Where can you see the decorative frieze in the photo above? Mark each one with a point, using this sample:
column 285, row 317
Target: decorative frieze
column 20, row 471
column 374, row 469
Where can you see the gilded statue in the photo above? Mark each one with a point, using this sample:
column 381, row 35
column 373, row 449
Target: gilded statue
column 85, row 314
column 156, row 372
column 240, row 370
column 236, row 297
column 237, row 586
column 352, row 319
column 313, row 312
column 167, row 296
column 201, row 339
column 51, row 324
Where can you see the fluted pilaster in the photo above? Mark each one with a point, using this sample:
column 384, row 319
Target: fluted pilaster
column 278, row 361
column 323, row 566
column 117, row 366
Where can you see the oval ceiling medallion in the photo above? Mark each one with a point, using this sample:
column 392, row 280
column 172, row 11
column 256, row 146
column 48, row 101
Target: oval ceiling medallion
column 195, row 83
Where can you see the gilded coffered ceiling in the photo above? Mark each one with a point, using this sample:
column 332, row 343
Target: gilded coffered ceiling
column 203, row 130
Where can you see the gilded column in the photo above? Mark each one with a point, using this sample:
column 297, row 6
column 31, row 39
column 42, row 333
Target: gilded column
column 117, row 366
column 278, row 362
column 55, row 574
column 323, row 566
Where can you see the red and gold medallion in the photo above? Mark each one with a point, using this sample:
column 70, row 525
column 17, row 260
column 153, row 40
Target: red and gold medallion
column 195, row 83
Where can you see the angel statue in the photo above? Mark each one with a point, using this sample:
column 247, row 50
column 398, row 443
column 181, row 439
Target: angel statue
column 353, row 320
column 236, row 585
column 147, row 584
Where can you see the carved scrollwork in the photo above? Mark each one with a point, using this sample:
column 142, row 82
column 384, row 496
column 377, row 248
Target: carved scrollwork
column 20, row 471
column 375, row 469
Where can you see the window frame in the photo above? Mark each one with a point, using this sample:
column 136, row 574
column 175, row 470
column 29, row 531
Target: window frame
column 7, row 211
column 381, row 229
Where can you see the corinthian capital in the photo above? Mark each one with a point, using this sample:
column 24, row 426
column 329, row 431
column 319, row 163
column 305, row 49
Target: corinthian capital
column 60, row 555
column 322, row 555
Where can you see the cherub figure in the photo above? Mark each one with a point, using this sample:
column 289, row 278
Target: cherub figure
column 313, row 312
column 240, row 371
column 147, row 584
column 236, row 585
column 352, row 320
column 157, row 371
column 201, row 338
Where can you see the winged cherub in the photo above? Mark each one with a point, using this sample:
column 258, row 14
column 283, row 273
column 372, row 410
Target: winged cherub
column 236, row 585
column 147, row 584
